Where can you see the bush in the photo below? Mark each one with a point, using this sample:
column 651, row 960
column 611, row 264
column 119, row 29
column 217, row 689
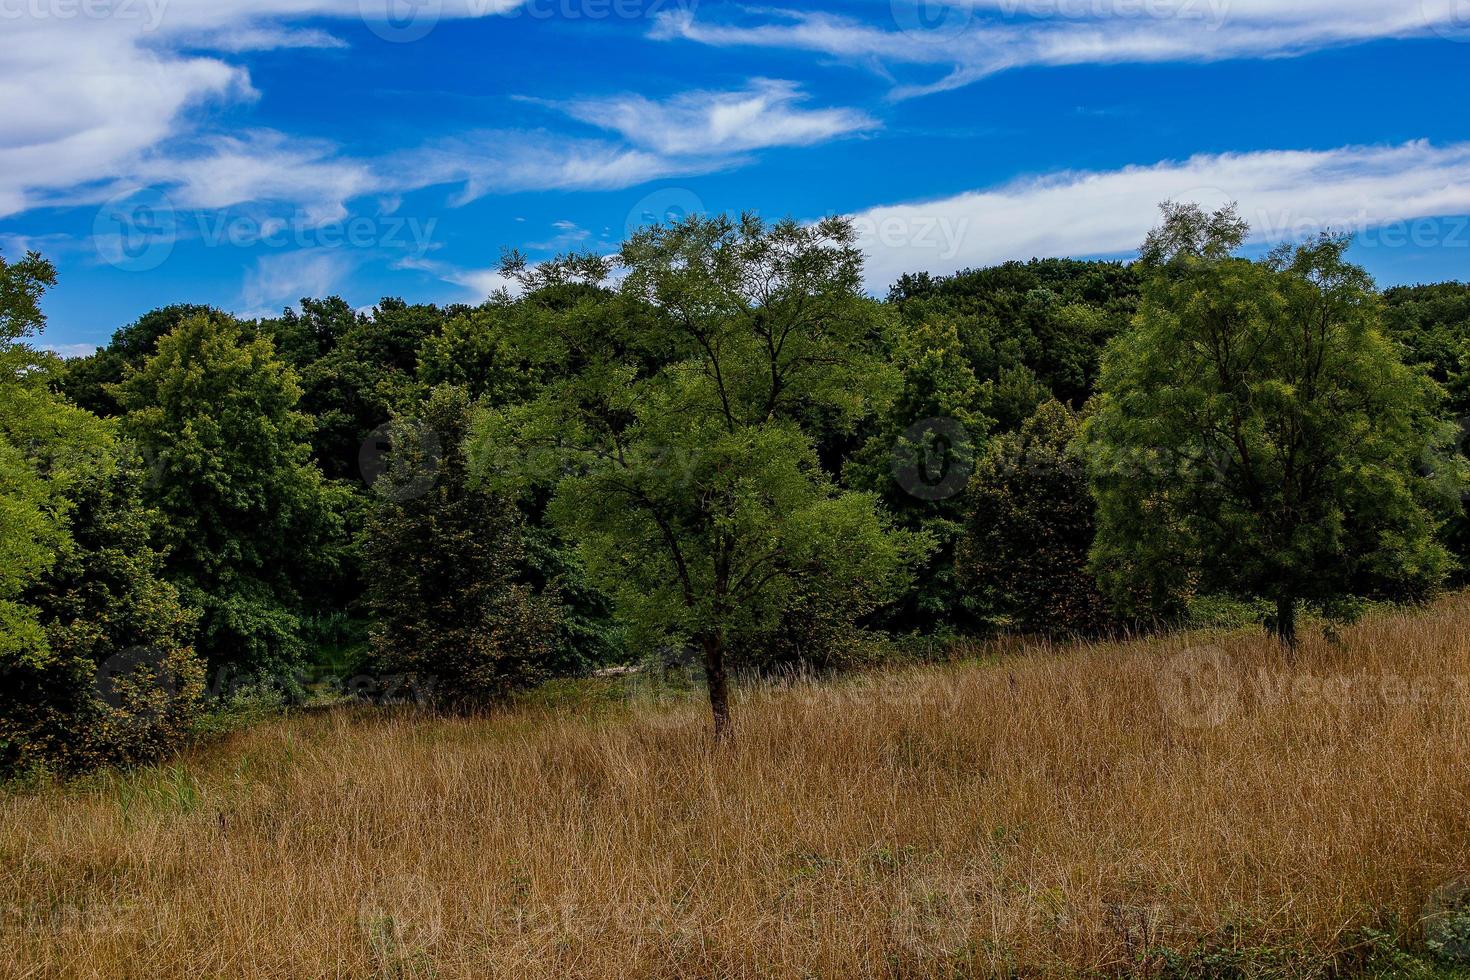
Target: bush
column 115, row 680
column 1023, row 556
column 443, row 563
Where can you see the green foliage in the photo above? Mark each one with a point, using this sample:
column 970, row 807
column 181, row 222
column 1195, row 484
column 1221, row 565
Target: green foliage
column 1258, row 435
column 693, row 493
column 365, row 378
column 306, row 337
column 444, row 570
column 651, row 466
column 118, row 681
column 88, row 381
column 22, row 285
column 919, row 459
column 474, row 351
column 1036, row 329
column 94, row 655
column 1028, row 531
column 1432, row 326
column 249, row 521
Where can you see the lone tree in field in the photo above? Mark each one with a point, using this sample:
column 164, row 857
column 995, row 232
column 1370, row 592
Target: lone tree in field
column 672, row 428
column 1257, row 435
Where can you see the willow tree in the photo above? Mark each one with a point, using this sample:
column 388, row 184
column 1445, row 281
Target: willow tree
column 1257, row 435
column 671, row 428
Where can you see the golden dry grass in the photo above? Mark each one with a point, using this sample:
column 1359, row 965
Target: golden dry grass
column 1058, row 813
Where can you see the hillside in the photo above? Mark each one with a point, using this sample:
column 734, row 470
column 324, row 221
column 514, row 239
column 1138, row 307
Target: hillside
column 1177, row 805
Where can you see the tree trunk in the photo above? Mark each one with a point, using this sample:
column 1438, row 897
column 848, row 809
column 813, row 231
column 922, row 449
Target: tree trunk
column 1286, row 622
column 718, row 683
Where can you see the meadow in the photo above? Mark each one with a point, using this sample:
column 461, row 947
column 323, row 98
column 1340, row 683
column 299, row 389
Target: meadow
column 1185, row 805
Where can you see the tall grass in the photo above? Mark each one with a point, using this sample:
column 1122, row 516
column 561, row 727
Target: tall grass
column 1144, row 807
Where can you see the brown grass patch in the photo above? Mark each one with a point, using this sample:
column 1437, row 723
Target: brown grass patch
column 1065, row 812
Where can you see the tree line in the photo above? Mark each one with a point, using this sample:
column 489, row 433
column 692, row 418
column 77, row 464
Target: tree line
column 712, row 448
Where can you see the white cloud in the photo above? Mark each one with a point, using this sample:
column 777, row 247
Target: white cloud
column 83, row 107
column 569, row 235
column 235, row 40
column 260, row 166
column 283, row 279
column 71, row 350
column 506, row 161
column 86, row 90
column 1284, row 194
column 968, row 41
column 766, row 113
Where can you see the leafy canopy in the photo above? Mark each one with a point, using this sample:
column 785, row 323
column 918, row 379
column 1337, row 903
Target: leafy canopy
column 1257, row 434
column 672, row 431
column 250, row 521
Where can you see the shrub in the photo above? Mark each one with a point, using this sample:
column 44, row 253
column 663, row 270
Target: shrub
column 114, row 680
column 1028, row 530
column 443, row 563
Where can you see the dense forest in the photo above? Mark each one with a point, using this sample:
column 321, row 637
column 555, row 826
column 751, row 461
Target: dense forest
column 714, row 451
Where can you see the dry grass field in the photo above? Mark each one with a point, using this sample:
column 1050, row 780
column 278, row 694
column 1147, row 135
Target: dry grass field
column 1182, row 805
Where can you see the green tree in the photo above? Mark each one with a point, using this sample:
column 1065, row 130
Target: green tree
column 1028, row 529
column 1036, row 330
column 1432, row 325
column 302, row 338
column 694, row 495
column 368, row 375
column 920, row 458
column 474, row 351
column 88, row 381
column 444, row 564
column 1258, row 435
column 250, row 522
column 117, row 680
column 94, row 655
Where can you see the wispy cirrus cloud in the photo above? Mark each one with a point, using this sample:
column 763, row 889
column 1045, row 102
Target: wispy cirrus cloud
column 766, row 113
column 962, row 41
column 279, row 280
column 87, row 90
column 1284, row 194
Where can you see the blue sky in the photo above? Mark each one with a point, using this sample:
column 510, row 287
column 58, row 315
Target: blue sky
column 246, row 153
